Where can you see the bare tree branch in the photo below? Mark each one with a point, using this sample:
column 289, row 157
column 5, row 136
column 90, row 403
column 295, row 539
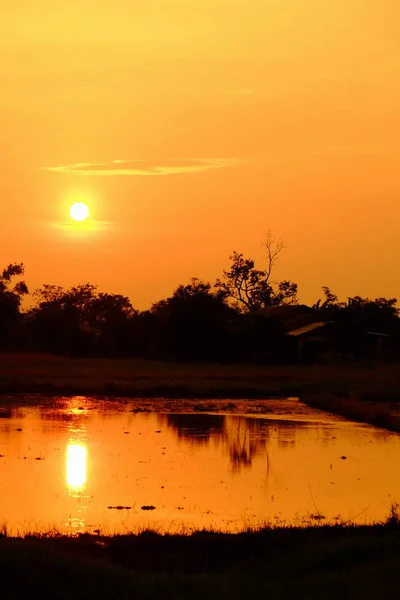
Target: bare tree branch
column 252, row 288
column 273, row 248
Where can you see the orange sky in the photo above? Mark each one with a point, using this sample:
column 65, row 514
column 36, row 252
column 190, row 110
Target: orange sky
column 201, row 125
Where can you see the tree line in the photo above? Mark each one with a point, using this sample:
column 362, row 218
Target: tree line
column 200, row 321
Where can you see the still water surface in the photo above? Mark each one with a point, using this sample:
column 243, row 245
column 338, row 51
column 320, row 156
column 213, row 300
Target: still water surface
column 72, row 464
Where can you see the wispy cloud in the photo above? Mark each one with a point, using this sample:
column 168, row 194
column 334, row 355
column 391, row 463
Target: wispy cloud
column 171, row 166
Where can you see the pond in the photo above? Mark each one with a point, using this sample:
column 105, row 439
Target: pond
column 84, row 465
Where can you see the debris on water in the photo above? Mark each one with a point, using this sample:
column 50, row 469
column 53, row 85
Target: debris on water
column 39, row 458
column 119, row 507
column 158, row 431
column 18, row 429
column 126, row 432
column 343, row 457
column 330, row 466
column 148, row 507
column 1, row 455
column 162, row 487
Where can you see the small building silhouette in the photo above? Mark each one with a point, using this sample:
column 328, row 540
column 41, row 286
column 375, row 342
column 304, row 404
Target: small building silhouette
column 304, row 331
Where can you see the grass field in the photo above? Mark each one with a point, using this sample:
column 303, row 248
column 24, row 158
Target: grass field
column 366, row 392
column 318, row 562
column 50, row 374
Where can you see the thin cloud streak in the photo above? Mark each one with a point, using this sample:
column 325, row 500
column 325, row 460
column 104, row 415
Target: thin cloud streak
column 83, row 227
column 146, row 167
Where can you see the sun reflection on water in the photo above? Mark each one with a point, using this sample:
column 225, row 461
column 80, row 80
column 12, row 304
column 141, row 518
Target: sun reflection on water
column 76, row 467
column 199, row 470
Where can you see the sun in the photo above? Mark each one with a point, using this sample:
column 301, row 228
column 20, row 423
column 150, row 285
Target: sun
column 79, row 211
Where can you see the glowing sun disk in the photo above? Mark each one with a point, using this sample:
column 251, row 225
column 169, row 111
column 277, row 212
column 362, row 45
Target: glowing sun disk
column 79, row 211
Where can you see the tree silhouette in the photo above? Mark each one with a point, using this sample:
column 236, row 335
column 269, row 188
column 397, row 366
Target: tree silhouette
column 250, row 288
column 357, row 324
column 20, row 289
column 80, row 320
column 194, row 322
column 112, row 316
column 10, row 301
column 198, row 321
column 380, row 314
column 330, row 301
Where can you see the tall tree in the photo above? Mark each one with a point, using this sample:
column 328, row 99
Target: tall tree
column 249, row 288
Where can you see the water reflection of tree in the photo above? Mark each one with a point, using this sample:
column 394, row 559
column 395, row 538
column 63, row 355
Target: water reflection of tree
column 244, row 437
column 286, row 444
column 16, row 413
column 198, row 428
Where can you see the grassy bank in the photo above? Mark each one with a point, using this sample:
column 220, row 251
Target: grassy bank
column 57, row 375
column 319, row 562
column 376, row 409
column 362, row 392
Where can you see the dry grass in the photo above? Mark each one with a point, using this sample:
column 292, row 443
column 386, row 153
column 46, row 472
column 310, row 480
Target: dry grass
column 355, row 562
column 355, row 407
column 44, row 373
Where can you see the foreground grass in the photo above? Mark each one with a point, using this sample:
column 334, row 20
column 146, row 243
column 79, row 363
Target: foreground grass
column 317, row 562
column 114, row 377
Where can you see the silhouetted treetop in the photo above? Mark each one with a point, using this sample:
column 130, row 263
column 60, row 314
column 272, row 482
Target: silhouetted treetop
column 380, row 314
column 193, row 322
column 91, row 306
column 10, row 299
column 20, row 288
column 329, row 302
column 250, row 288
